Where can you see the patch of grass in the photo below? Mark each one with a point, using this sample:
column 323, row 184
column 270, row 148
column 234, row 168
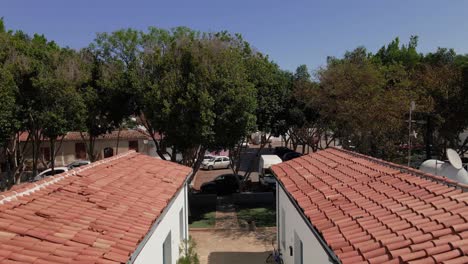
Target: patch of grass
column 263, row 216
column 205, row 220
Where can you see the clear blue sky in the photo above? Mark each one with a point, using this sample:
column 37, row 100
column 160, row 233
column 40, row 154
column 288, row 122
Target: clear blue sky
column 290, row 32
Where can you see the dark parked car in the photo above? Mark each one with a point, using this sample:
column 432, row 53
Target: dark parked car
column 50, row 172
column 221, row 185
column 78, row 163
column 280, row 151
column 291, row 155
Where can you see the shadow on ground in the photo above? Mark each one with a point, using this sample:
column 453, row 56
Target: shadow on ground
column 263, row 236
column 237, row 257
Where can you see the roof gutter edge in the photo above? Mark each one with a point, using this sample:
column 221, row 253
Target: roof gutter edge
column 322, row 242
column 155, row 225
column 405, row 169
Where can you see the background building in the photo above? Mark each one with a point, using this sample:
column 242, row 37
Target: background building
column 73, row 146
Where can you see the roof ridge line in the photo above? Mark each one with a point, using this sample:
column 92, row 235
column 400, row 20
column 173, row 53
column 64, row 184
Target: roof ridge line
column 56, row 178
column 403, row 168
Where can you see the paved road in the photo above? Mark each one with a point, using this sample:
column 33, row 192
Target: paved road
column 248, row 156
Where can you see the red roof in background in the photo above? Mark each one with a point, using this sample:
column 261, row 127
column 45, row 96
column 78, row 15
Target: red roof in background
column 124, row 134
column 371, row 211
column 99, row 215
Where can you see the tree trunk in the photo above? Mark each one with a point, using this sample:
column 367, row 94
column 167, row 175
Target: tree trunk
column 174, row 154
column 464, row 147
column 89, row 145
column 52, row 153
column 328, row 143
column 286, row 140
column 235, row 156
column 91, row 149
column 59, row 147
column 36, row 149
column 255, row 160
column 18, row 159
column 34, row 168
column 118, row 140
column 4, row 180
column 200, row 155
column 151, row 133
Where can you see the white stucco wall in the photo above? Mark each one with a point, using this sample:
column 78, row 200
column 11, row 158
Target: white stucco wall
column 66, row 150
column 313, row 252
column 152, row 250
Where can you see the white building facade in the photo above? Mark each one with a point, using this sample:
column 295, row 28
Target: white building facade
column 163, row 242
column 296, row 239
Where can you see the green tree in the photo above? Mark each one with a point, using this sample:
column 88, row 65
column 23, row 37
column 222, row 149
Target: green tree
column 202, row 99
column 63, row 109
column 355, row 99
column 441, row 79
column 189, row 90
column 272, row 87
column 31, row 61
column 105, row 105
column 394, row 53
column 302, row 115
column 8, row 122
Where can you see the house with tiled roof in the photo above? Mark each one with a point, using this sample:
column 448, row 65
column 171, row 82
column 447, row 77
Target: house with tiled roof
column 337, row 206
column 130, row 208
column 73, row 145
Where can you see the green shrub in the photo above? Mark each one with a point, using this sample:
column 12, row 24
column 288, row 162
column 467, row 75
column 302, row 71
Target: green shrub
column 188, row 254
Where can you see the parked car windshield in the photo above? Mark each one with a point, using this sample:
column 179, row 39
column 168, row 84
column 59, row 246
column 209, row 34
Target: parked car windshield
column 268, row 173
column 53, row 172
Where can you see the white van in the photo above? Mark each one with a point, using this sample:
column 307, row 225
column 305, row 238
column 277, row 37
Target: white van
column 266, row 178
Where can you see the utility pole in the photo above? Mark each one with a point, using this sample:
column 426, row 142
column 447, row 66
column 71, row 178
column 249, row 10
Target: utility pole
column 412, row 107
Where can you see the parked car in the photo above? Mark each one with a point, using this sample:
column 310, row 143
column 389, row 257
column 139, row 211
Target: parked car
column 78, row 163
column 218, row 162
column 223, row 184
column 208, row 157
column 266, row 177
column 268, row 181
column 280, row 151
column 291, row 155
column 50, row 172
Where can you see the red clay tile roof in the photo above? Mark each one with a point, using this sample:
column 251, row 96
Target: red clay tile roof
column 76, row 136
column 98, row 213
column 371, row 211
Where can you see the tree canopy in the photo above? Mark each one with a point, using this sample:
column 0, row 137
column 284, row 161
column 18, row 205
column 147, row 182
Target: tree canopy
column 194, row 91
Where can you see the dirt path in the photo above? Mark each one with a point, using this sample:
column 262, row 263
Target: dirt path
column 233, row 246
column 226, row 216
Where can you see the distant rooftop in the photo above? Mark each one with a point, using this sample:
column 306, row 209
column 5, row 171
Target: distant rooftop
column 97, row 213
column 124, row 134
column 371, row 211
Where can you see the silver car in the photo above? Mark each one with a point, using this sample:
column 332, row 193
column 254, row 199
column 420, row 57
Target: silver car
column 218, row 162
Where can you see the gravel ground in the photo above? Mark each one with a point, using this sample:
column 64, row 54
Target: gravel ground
column 233, row 246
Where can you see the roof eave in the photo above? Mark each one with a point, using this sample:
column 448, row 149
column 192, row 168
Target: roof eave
column 330, row 252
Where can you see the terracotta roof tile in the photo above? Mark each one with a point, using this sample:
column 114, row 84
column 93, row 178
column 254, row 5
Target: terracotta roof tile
column 458, row 260
column 369, row 210
column 98, row 213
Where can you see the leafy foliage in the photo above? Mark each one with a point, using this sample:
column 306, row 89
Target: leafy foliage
column 364, row 98
column 187, row 250
column 194, row 91
column 8, row 120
